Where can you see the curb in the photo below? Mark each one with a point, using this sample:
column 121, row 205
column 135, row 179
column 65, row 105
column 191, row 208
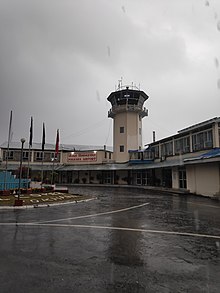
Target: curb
column 44, row 205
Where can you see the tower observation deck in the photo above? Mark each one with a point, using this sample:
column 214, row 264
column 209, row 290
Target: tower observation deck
column 127, row 112
column 127, row 100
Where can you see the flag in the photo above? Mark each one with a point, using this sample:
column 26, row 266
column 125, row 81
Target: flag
column 31, row 132
column 10, row 132
column 43, row 138
column 57, row 144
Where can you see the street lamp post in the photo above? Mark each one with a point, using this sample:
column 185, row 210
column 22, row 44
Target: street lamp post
column 20, row 173
column 52, row 174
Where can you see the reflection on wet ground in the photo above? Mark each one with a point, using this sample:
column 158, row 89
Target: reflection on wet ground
column 114, row 249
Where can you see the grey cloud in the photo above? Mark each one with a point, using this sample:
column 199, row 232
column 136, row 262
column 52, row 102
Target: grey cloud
column 59, row 60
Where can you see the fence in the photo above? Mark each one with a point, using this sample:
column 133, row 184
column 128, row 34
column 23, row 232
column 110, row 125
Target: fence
column 9, row 181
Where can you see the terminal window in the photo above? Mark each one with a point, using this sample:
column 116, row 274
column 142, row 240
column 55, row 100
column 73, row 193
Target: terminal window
column 202, row 140
column 25, row 155
column 10, row 155
column 122, row 129
column 39, row 156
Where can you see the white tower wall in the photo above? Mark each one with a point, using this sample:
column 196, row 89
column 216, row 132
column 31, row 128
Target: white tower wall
column 131, row 138
column 127, row 112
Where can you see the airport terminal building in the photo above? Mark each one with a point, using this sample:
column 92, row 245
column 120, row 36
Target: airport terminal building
column 188, row 161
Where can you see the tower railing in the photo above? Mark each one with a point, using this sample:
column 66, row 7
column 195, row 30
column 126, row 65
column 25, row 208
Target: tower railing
column 127, row 108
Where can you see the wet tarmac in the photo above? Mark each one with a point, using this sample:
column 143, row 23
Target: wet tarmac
column 124, row 241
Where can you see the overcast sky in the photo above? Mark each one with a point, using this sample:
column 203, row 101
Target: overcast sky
column 60, row 59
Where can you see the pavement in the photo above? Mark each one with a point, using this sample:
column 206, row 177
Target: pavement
column 123, row 241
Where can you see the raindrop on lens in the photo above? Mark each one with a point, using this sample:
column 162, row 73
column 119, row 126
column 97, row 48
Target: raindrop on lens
column 123, row 9
column 109, row 51
column 98, row 96
column 216, row 62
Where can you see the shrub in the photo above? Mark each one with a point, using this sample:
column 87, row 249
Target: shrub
column 49, row 188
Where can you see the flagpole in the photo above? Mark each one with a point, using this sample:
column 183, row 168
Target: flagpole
column 43, row 143
column 52, row 171
column 6, row 163
column 28, row 170
column 55, row 154
column 42, row 171
column 30, row 147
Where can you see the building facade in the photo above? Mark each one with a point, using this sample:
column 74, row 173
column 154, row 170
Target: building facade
column 188, row 161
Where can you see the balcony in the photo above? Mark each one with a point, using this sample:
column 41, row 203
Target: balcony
column 127, row 108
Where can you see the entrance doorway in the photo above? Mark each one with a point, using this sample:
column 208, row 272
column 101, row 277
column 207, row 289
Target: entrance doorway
column 182, row 179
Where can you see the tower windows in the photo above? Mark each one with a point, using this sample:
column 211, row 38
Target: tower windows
column 122, row 129
column 139, row 131
column 122, row 148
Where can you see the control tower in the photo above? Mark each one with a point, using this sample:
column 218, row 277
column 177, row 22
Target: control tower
column 127, row 112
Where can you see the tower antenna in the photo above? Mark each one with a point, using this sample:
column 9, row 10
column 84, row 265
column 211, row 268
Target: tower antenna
column 120, row 84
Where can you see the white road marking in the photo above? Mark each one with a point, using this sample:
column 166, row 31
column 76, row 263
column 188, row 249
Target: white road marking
column 203, row 205
column 115, row 228
column 95, row 215
column 48, row 224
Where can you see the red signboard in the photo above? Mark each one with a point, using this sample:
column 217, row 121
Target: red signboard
column 82, row 157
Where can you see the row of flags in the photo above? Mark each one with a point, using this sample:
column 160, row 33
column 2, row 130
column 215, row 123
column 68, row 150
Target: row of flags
column 44, row 138
column 31, row 136
column 30, row 146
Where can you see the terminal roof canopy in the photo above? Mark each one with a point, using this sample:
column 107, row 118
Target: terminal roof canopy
column 200, row 125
